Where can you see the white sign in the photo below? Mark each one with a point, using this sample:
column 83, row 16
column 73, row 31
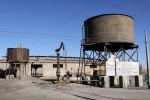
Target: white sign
column 122, row 68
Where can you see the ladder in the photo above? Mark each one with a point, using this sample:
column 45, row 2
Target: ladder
column 80, row 68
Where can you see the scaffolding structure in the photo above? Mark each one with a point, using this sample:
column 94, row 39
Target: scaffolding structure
column 96, row 55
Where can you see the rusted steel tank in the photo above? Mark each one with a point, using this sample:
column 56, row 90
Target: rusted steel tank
column 113, row 28
column 16, row 55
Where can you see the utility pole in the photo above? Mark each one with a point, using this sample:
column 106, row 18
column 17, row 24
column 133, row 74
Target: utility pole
column 147, row 59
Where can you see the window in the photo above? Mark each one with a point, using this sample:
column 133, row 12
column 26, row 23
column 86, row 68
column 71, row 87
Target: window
column 55, row 65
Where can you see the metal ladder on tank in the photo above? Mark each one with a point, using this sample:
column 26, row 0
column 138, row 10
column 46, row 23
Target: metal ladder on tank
column 80, row 68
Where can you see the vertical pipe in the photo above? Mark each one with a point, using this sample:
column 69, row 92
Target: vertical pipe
column 84, row 61
column 99, row 61
column 105, row 58
column 93, row 61
column 115, row 67
column 86, row 32
column 147, row 59
column 58, row 66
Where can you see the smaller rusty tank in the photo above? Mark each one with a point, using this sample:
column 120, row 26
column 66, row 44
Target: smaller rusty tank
column 16, row 55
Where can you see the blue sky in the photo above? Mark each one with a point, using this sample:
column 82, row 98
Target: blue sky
column 62, row 18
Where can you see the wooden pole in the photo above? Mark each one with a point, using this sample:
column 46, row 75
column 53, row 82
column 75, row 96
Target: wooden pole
column 147, row 59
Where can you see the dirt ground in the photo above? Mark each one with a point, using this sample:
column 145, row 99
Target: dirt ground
column 37, row 89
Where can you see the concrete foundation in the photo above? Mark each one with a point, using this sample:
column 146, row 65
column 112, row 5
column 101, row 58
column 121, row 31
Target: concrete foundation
column 123, row 81
column 105, row 81
column 139, row 81
column 10, row 77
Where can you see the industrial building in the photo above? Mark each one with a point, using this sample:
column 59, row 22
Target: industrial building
column 47, row 66
column 107, row 50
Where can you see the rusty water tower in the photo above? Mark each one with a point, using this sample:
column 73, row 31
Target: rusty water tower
column 114, row 28
column 18, row 59
column 104, row 35
column 17, row 55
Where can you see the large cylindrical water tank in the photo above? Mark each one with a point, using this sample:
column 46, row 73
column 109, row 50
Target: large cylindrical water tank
column 113, row 28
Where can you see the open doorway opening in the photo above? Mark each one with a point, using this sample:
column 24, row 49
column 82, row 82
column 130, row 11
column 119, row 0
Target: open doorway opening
column 36, row 70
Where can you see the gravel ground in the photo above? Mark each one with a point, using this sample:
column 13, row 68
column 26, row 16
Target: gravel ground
column 37, row 89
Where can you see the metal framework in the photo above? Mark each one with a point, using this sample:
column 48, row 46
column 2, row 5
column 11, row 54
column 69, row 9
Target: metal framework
column 13, row 68
column 98, row 54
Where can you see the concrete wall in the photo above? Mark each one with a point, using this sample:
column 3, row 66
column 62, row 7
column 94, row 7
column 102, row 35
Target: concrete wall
column 72, row 66
column 47, row 67
column 3, row 65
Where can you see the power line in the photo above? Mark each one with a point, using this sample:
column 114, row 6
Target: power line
column 40, row 34
column 43, row 35
column 51, row 35
column 66, row 21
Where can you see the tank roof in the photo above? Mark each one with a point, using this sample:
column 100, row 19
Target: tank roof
column 17, row 48
column 107, row 15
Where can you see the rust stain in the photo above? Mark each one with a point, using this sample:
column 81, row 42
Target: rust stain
column 15, row 55
column 110, row 28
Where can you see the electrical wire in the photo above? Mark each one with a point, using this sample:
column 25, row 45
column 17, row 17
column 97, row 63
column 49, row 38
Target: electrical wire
column 38, row 34
column 44, row 35
column 66, row 21
column 50, row 36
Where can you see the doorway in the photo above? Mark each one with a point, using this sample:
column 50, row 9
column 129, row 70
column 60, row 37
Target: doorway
column 36, row 70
